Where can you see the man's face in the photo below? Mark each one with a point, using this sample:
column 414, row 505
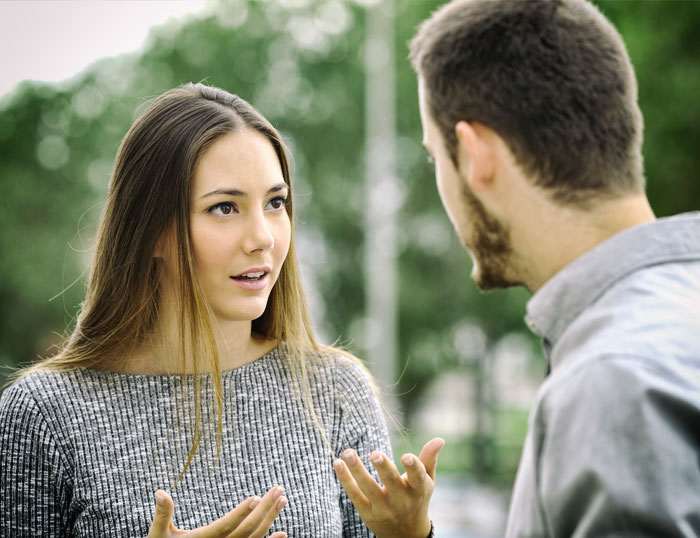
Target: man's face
column 485, row 237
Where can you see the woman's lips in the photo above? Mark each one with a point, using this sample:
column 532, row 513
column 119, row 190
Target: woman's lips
column 252, row 284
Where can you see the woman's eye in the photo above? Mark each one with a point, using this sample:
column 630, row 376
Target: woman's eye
column 280, row 202
column 431, row 160
column 223, row 208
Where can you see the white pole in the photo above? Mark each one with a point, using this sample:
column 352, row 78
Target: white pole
column 383, row 198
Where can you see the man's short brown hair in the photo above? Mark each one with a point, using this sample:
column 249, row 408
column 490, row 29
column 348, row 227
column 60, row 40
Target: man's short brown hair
column 551, row 77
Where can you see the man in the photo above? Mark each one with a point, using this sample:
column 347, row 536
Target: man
column 529, row 109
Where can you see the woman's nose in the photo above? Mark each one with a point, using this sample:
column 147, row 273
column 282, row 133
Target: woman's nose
column 258, row 235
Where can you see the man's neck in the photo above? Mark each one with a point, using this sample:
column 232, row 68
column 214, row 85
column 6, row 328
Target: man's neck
column 562, row 234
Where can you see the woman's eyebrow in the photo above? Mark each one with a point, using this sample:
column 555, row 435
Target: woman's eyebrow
column 238, row 192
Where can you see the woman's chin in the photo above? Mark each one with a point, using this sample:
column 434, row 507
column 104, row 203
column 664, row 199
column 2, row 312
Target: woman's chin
column 239, row 315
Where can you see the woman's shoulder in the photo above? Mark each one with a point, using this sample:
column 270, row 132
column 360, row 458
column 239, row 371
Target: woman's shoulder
column 27, row 402
column 44, row 389
column 50, row 379
column 356, row 396
column 34, row 387
column 343, row 370
column 34, row 425
column 339, row 362
column 34, row 381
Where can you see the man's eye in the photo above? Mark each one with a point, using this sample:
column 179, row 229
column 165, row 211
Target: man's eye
column 431, row 159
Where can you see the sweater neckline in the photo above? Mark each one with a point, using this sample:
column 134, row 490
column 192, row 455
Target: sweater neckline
column 257, row 363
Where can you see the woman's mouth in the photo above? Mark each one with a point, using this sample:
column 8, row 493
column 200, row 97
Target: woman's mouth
column 252, row 280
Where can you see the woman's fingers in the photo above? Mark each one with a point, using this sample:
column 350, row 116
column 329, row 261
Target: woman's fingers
column 365, row 481
column 263, row 514
column 163, row 516
column 415, row 471
column 232, row 521
column 350, row 486
column 251, row 518
column 429, row 455
column 269, row 510
column 387, row 471
column 400, row 507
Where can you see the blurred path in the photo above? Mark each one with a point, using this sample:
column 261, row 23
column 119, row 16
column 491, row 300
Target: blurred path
column 463, row 509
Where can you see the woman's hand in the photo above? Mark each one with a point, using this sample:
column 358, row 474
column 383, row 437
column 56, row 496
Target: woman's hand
column 400, row 507
column 250, row 519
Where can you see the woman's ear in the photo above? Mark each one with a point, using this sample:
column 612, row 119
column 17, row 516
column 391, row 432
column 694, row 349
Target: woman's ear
column 164, row 245
column 475, row 154
column 159, row 250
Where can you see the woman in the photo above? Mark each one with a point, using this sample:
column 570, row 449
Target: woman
column 193, row 371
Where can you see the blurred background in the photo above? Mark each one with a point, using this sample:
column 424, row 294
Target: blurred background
column 385, row 273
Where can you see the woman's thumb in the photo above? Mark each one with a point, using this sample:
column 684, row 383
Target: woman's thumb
column 163, row 515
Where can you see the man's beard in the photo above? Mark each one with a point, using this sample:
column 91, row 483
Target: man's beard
column 490, row 246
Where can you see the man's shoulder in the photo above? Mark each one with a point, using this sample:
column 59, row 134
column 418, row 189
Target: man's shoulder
column 616, row 390
column 653, row 313
column 611, row 439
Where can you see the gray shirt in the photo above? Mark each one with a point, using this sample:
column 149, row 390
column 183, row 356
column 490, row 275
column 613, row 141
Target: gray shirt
column 613, row 446
column 82, row 454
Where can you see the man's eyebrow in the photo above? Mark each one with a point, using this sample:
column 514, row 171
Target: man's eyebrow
column 238, row 192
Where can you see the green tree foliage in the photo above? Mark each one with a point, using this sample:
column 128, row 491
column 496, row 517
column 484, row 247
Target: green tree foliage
column 301, row 64
column 664, row 45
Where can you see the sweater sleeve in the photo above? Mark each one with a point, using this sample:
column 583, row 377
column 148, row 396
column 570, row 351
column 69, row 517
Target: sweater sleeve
column 34, row 490
column 362, row 428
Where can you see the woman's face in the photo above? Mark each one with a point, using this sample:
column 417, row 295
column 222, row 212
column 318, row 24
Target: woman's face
column 239, row 225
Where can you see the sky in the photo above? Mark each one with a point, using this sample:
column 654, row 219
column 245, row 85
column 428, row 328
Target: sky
column 51, row 40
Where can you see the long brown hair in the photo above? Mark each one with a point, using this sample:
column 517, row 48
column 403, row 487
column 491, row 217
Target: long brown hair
column 148, row 195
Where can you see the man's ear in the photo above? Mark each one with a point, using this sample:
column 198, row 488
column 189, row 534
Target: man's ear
column 475, row 154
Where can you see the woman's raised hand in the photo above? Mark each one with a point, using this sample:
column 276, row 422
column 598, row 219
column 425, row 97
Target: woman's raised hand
column 400, row 507
column 250, row 519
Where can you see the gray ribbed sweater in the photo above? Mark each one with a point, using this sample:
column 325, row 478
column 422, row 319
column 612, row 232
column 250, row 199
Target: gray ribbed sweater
column 82, row 454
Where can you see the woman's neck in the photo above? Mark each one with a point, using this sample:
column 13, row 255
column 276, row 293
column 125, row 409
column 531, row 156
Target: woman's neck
column 160, row 354
column 238, row 345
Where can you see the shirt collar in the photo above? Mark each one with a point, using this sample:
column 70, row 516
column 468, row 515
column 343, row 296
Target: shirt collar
column 564, row 296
